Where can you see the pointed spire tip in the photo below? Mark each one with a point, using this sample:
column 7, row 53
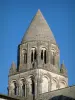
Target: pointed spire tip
column 39, row 11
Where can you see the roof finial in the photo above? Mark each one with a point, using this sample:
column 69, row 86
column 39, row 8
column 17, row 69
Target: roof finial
column 39, row 12
column 12, row 69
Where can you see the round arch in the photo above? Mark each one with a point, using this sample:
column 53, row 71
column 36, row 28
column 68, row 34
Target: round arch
column 54, row 83
column 13, row 87
column 62, row 84
column 45, row 83
column 31, row 84
column 22, row 86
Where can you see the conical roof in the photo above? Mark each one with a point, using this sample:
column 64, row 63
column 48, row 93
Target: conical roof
column 12, row 69
column 38, row 30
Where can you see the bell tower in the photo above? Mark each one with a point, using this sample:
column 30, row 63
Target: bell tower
column 38, row 68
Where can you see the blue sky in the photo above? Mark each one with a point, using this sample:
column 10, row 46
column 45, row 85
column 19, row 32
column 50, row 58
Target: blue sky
column 15, row 16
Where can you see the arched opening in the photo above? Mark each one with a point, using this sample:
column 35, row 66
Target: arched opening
column 53, row 57
column 43, row 55
column 14, row 88
column 31, row 86
column 45, row 84
column 23, row 87
column 25, row 56
column 33, row 54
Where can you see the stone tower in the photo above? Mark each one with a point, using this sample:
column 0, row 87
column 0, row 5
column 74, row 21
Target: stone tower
column 38, row 70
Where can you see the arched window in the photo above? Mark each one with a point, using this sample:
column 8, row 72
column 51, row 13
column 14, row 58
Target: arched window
column 24, row 56
column 31, row 85
column 23, row 87
column 15, row 88
column 43, row 55
column 53, row 58
column 33, row 54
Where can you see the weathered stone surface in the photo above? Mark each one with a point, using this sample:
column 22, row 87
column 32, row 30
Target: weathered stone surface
column 38, row 75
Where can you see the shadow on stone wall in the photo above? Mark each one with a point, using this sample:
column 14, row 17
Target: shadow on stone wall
column 61, row 97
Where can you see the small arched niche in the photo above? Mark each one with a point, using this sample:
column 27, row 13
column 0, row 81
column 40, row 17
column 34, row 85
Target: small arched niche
column 53, row 56
column 45, row 84
column 62, row 84
column 54, row 84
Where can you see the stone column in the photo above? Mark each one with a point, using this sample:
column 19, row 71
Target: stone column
column 48, row 86
column 27, row 90
column 38, row 54
column 35, row 88
column 17, row 89
column 39, row 87
column 20, row 91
